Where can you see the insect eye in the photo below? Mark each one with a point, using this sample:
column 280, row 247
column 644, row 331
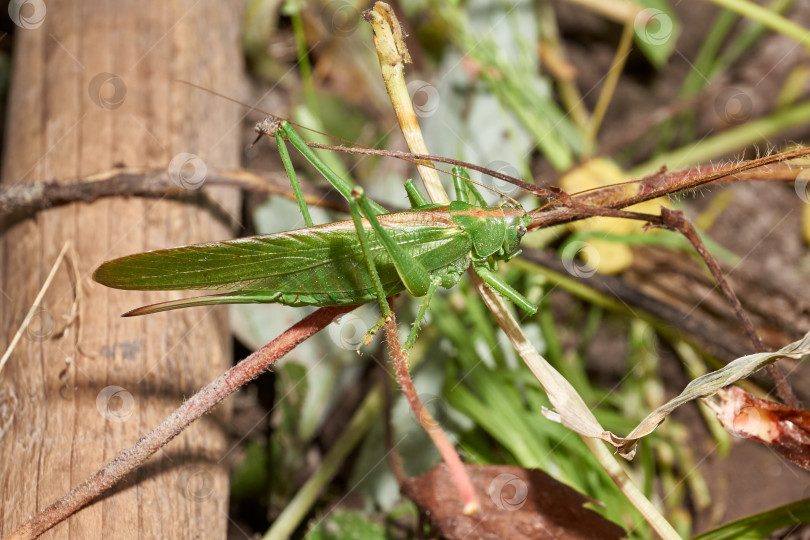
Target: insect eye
column 521, row 230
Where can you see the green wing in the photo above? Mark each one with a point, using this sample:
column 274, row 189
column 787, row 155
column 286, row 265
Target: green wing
column 315, row 266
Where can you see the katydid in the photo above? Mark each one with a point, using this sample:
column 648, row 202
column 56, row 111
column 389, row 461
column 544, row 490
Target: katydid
column 371, row 257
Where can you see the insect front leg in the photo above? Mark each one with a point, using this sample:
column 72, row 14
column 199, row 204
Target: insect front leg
column 434, row 284
column 497, row 284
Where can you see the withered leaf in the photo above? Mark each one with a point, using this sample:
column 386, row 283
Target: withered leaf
column 516, row 503
column 786, row 430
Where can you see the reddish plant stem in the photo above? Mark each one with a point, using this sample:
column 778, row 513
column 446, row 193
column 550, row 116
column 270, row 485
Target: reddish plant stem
column 674, row 220
column 571, row 207
column 202, row 402
column 428, row 423
column 393, row 458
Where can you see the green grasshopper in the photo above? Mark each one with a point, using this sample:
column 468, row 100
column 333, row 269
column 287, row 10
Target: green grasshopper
column 373, row 256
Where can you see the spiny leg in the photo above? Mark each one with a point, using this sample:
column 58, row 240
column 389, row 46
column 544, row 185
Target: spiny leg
column 414, row 195
column 369, row 335
column 372, row 268
column 464, row 185
column 410, row 271
column 497, row 284
column 434, row 284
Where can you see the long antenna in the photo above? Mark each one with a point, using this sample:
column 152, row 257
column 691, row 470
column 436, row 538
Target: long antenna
column 549, row 192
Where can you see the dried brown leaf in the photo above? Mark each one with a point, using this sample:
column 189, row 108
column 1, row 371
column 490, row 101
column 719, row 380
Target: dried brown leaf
column 516, row 503
column 785, row 429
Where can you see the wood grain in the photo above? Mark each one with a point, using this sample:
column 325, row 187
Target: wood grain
column 60, row 416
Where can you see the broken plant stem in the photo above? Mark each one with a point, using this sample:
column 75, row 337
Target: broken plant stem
column 620, row 477
column 199, row 404
column 389, row 41
column 575, row 413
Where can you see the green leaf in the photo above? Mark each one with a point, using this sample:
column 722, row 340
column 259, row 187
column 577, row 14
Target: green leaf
column 656, row 31
column 250, row 480
column 764, row 524
column 347, row 525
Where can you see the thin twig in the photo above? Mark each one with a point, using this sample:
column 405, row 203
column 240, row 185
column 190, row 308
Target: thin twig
column 568, row 208
column 675, row 221
column 199, row 404
column 147, row 182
